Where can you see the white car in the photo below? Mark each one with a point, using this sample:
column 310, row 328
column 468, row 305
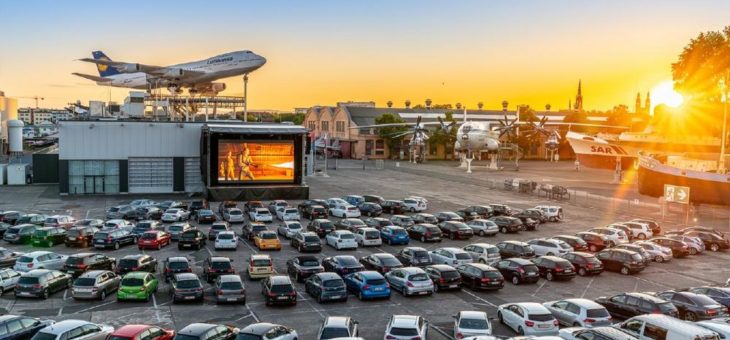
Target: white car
column 483, row 227
column 226, row 240
column 341, row 239
column 414, row 204
column 613, row 236
column 718, row 326
column 483, row 252
column 345, row 210
column 471, row 323
column 289, row 228
column 117, row 224
column 639, row 230
column 450, row 255
column 553, row 213
column 8, row 279
column 233, row 215
column 287, row 214
column 551, row 247
column 334, row 200
column 142, row 203
column 368, row 237
column 579, row 312
column 528, row 318
column 40, row 260
column 175, row 215
column 657, row 253
column 582, row 333
column 260, row 215
column 406, row 327
column 74, row 329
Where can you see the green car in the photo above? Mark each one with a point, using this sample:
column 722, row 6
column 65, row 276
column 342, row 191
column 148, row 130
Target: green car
column 137, row 286
column 48, row 236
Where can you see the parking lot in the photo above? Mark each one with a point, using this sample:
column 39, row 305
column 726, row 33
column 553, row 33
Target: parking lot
column 306, row 316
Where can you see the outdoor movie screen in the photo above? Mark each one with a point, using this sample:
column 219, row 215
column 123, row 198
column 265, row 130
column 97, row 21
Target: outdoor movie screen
column 259, row 161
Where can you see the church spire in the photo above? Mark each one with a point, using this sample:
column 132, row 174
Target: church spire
column 647, row 106
column 638, row 102
column 579, row 98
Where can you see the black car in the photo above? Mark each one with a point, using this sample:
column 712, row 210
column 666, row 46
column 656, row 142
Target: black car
column 507, row 224
column 620, row 260
column 374, row 198
column 377, row 222
column 425, row 232
column 342, row 265
column 251, row 229
column 518, row 270
column 225, row 205
column 192, row 238
column 528, row 222
column 370, row 209
column 628, row 305
column 186, row 287
column 448, row 216
column 574, row 241
column 302, row 267
column 326, row 287
column 20, row 234
column 711, row 241
column 321, row 226
column 393, row 207
column 148, row 213
column 351, row 224
column 42, row 283
column 694, row 307
column 554, row 268
column 175, row 265
column 14, row 327
column 136, row 263
column 278, row 289
column 424, row 218
column 37, row 219
column 205, row 216
column 500, row 210
column 467, row 215
column 380, row 262
column 444, row 277
column 80, row 236
column 310, row 202
column 679, row 248
column 78, row 264
column 584, row 263
column 535, row 214
column 250, row 206
column 456, row 230
column 217, row 266
column 206, row 331
column 314, row 211
column 307, row 241
column 414, row 257
column 479, row 276
column 484, row 211
column 113, row 239
column 196, row 206
column 10, row 217
column 508, row 249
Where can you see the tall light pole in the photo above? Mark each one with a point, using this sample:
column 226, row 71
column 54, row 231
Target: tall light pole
column 724, row 88
column 245, row 97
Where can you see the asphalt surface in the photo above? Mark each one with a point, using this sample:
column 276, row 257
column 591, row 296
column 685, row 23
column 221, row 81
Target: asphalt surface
column 443, row 193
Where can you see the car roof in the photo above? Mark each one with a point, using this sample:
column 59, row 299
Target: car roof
column 196, row 329
column 258, row 328
column 336, row 321
column 130, row 330
column 412, row 270
column 405, row 321
column 36, row 272
column 292, row 222
column 133, row 256
column 306, row 257
column 584, row 303
column 279, row 279
column 177, row 259
column 328, row 276
column 482, row 266
column 230, row 278
column 519, row 243
column 484, row 245
column 37, row 253
column 520, row 261
column 83, row 254
column 645, row 296
column 442, row 267
column 185, row 276
column 452, row 249
column 220, row 259
column 533, row 307
column 135, row 275
column 470, row 314
column 371, row 274
column 669, row 321
column 64, row 326
column 260, row 257
column 93, row 273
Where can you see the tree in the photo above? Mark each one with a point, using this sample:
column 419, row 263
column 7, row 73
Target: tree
column 388, row 133
column 527, row 114
column 702, row 64
column 445, row 138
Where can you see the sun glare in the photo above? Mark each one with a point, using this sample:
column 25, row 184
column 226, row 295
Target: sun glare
column 664, row 93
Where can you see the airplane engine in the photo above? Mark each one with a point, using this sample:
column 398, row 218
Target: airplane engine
column 174, row 72
column 492, row 145
column 174, row 89
column 129, row 68
column 211, row 89
column 217, row 87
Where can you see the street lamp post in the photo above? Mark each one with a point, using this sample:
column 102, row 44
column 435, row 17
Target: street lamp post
column 724, row 87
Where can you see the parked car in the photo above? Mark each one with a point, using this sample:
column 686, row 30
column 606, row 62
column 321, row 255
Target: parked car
column 575, row 242
column 176, row 229
column 374, row 198
column 265, row 330
column 234, row 215
column 259, row 266
column 62, row 221
column 401, row 221
column 368, row 237
column 605, row 332
column 48, row 236
column 216, row 266
column 639, row 230
column 406, row 327
column 10, row 216
column 207, row 216
column 260, row 215
column 37, row 219
column 611, row 235
column 197, row 206
column 303, row 266
column 251, row 229
column 192, row 238
column 664, row 327
column 9, row 257
column 637, row 249
column 175, row 215
column 655, row 252
column 41, row 283
column 90, row 222
column 425, row 232
column 528, row 318
column 66, row 329
column 393, row 207
column 694, row 244
column 321, row 226
column 226, row 240
column 342, row 265
column 287, row 214
column 154, row 239
column 344, row 210
column 679, row 248
column 719, row 294
column 500, row 209
column 113, row 239
column 314, row 211
column 370, row 209
column 278, row 289
column 508, row 249
column 95, row 284
column 711, row 241
column 451, row 256
column 24, row 327
column 579, row 313
column 380, row 262
column 175, row 265
column 596, row 242
column 444, row 277
column 267, row 240
column 20, row 234
column 483, row 227
column 117, row 224
column 338, row 327
column 132, row 332
column 410, row 281
column 136, row 262
column 479, row 276
column 526, row 217
column 624, row 261
column 468, row 324
column 229, row 288
column 185, row 287
column 627, row 305
column 351, row 224
column 414, row 257
column 289, row 228
column 656, row 229
column 483, row 252
column 455, row 230
column 341, row 239
column 448, row 216
column 250, row 206
column 534, row 214
column 394, row 235
column 124, row 212
column 694, row 307
column 518, row 270
column 584, row 263
column 326, row 287
column 80, row 263
column 207, row 331
column 148, row 213
column 552, row 212
column 307, row 241
column 217, row 227
column 544, row 247
column 554, row 268
column 367, row 285
column 147, row 225
column 40, row 260
column 8, row 280
column 507, row 224
column 275, row 205
column 424, row 218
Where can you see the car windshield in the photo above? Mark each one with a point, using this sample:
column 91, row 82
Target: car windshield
column 333, row 283
column 666, row 307
column 235, row 212
column 261, row 263
column 231, row 285
column 27, row 280
column 418, row 277
column 636, row 257
column 13, row 231
column 492, row 274
column 127, row 263
column 399, row 232
column 420, row 254
column 531, row 268
column 268, row 236
column 282, row 289
column 240, row 336
column 218, row 227
column 376, row 281
column 398, row 331
column 450, row 274
column 311, row 239
column 390, row 261
column 179, row 265
column 462, row 256
column 189, row 235
column 294, row 226
column 225, row 236
column 310, row 263
column 597, row 313
column 149, row 236
column 74, row 260
column 40, row 233
column 84, row 281
column 326, row 225
column 187, row 284
column 474, row 324
column 564, row 245
column 25, row 259
column 332, row 333
column 347, row 236
column 221, row 265
column 372, row 235
column 113, row 209
column 44, row 336
column 541, row 317
column 175, row 228
column 347, row 261
column 132, row 282
column 171, row 211
column 101, row 235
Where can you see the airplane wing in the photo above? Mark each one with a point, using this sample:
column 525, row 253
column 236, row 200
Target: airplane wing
column 580, row 124
column 93, row 78
column 391, row 124
column 157, row 71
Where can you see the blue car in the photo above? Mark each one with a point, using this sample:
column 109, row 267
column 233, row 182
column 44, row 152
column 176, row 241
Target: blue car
column 394, row 235
column 719, row 294
column 368, row 285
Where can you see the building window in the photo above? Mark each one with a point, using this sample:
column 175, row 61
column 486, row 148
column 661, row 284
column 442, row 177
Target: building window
column 340, row 126
column 93, row 177
column 380, row 147
column 325, row 126
column 312, row 125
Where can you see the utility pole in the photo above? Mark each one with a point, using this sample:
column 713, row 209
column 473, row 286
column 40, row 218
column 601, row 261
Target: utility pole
column 724, row 88
column 245, row 97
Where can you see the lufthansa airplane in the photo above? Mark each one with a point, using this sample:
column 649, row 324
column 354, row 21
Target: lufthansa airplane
column 197, row 76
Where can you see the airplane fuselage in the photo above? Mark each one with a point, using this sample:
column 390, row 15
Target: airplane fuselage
column 476, row 137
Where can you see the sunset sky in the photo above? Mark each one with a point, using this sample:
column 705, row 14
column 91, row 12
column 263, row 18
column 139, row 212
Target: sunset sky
column 321, row 52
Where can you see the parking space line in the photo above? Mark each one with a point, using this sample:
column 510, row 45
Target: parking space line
column 247, row 245
column 440, row 331
column 538, row 288
column 252, row 313
column 479, row 298
column 65, row 293
column 209, row 252
column 157, row 310
column 60, row 311
column 95, row 307
column 588, row 286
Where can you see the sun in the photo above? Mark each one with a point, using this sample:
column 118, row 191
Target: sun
column 664, row 93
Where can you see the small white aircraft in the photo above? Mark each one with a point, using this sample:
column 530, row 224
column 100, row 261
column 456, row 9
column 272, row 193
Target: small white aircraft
column 197, row 76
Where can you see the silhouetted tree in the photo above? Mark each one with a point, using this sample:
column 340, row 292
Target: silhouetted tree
column 388, row 133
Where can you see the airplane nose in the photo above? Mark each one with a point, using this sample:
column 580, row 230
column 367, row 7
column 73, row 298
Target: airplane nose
column 262, row 60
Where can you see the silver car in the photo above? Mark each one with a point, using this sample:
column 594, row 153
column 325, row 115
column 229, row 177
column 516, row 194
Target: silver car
column 579, row 313
column 40, row 260
column 229, row 289
column 471, row 323
column 410, row 281
column 483, row 227
column 8, row 280
column 95, row 284
column 656, row 252
column 176, row 229
column 695, row 244
column 119, row 212
column 67, row 329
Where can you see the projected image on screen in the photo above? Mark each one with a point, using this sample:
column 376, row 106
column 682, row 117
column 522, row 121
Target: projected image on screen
column 240, row 161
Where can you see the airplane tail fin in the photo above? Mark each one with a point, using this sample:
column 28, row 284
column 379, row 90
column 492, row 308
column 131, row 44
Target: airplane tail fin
column 104, row 70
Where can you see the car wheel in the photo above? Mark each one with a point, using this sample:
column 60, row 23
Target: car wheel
column 159, row 246
column 102, row 296
column 714, row 247
column 299, row 247
column 359, row 295
column 582, row 272
column 659, row 259
column 549, row 276
column 625, row 271
column 515, row 280
column 50, row 244
column 45, row 294
column 641, row 237
column 690, row 316
column 296, row 277
column 501, row 319
column 435, row 287
column 503, row 230
column 692, row 251
column 593, row 248
column 116, row 246
column 520, row 331
column 423, row 239
column 576, row 324
column 550, row 254
column 482, row 261
column 413, row 210
column 451, row 236
column 611, row 244
column 481, row 233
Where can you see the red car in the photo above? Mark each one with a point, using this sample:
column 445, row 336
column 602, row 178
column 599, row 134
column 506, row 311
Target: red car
column 153, row 239
column 596, row 242
column 131, row 332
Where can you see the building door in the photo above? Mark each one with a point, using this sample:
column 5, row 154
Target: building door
column 88, row 184
column 93, row 184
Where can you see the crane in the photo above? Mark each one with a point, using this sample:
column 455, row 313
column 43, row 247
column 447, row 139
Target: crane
column 36, row 98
